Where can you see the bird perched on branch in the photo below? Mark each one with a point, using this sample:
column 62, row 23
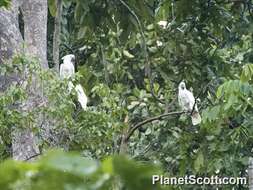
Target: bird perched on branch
column 67, row 71
column 188, row 103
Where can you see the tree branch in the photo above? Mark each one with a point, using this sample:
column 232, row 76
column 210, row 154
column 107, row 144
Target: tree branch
column 31, row 157
column 149, row 120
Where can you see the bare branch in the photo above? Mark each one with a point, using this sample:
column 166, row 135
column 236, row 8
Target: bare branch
column 149, row 120
column 33, row 156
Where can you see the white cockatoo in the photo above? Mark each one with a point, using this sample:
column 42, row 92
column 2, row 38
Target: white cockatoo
column 186, row 101
column 163, row 23
column 67, row 70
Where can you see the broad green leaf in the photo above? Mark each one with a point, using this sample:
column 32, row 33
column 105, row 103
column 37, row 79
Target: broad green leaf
column 247, row 73
column 71, row 163
column 199, row 162
column 5, row 3
column 52, row 7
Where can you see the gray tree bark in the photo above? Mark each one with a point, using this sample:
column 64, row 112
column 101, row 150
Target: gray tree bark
column 35, row 29
column 35, row 37
column 24, row 142
column 10, row 40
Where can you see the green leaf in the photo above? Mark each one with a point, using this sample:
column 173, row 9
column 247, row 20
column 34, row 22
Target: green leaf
column 199, row 162
column 135, row 175
column 71, row 163
column 247, row 73
column 52, row 7
column 219, row 92
column 12, row 171
column 107, row 165
column 231, row 101
column 5, row 3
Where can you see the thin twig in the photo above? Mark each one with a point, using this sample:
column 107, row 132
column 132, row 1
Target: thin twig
column 33, row 156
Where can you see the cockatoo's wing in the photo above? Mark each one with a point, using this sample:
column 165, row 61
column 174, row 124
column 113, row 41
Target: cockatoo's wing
column 61, row 71
column 67, row 70
column 182, row 101
column 187, row 102
column 193, row 108
column 81, row 96
column 196, row 118
column 190, row 98
column 70, row 86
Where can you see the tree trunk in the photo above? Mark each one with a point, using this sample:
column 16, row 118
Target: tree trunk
column 123, row 146
column 24, row 142
column 35, row 36
column 10, row 41
column 57, row 32
column 35, row 29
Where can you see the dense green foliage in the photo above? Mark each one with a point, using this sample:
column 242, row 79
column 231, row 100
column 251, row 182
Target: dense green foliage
column 58, row 170
column 130, row 68
column 4, row 3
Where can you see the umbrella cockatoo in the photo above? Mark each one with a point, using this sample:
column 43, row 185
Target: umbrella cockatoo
column 67, row 70
column 187, row 103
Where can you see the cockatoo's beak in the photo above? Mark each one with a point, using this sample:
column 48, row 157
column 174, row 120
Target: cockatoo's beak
column 73, row 59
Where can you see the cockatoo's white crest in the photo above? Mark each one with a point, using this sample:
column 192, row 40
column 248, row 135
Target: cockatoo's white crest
column 186, row 101
column 67, row 68
column 68, row 58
